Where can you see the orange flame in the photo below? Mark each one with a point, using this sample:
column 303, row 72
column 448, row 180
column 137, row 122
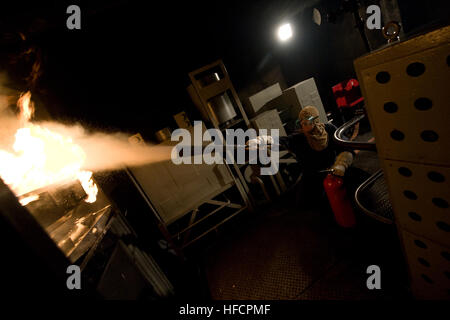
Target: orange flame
column 88, row 185
column 26, row 107
column 42, row 157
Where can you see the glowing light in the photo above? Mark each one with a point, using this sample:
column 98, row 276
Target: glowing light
column 88, row 185
column 41, row 157
column 29, row 199
column 285, row 32
column 25, row 106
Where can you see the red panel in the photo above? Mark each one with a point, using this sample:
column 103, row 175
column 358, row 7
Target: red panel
column 347, row 93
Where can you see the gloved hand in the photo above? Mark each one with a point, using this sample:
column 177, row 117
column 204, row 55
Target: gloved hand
column 343, row 161
column 259, row 141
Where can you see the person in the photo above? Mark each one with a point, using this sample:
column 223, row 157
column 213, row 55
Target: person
column 318, row 155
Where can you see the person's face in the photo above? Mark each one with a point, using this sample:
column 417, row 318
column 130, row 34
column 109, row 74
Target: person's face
column 307, row 125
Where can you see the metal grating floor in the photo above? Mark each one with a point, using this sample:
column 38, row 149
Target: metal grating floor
column 284, row 253
column 261, row 264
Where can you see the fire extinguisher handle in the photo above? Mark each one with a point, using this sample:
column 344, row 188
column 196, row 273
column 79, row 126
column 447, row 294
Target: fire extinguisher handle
column 327, row 171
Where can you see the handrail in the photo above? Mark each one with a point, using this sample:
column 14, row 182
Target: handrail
column 352, row 144
column 377, row 175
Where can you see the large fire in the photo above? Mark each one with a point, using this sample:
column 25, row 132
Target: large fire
column 42, row 157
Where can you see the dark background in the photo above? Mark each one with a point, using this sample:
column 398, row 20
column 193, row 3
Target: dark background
column 127, row 68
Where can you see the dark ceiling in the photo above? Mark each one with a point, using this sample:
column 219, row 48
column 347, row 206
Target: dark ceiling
column 127, row 68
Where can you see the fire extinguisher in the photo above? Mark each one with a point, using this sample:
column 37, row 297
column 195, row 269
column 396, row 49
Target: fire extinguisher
column 339, row 201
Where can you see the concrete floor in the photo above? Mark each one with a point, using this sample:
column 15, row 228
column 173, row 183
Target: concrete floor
column 281, row 252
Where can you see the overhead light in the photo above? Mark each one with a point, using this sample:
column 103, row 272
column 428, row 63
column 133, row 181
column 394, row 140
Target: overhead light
column 285, row 32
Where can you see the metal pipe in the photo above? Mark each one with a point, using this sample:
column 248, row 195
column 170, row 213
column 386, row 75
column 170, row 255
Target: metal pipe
column 338, row 137
column 200, row 220
column 213, row 228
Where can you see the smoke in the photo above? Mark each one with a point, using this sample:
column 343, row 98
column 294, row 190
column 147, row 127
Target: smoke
column 110, row 151
column 103, row 151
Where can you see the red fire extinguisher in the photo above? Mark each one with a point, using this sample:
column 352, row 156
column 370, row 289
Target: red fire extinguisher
column 339, row 201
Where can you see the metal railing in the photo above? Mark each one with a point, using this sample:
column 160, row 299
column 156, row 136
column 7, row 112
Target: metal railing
column 372, row 192
column 357, row 145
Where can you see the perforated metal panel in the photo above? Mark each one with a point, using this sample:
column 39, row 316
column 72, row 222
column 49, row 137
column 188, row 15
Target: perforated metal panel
column 411, row 112
column 420, row 196
column 407, row 93
column 429, row 265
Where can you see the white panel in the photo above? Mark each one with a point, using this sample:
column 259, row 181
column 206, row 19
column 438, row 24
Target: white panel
column 269, row 120
column 306, row 94
column 175, row 190
column 258, row 100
